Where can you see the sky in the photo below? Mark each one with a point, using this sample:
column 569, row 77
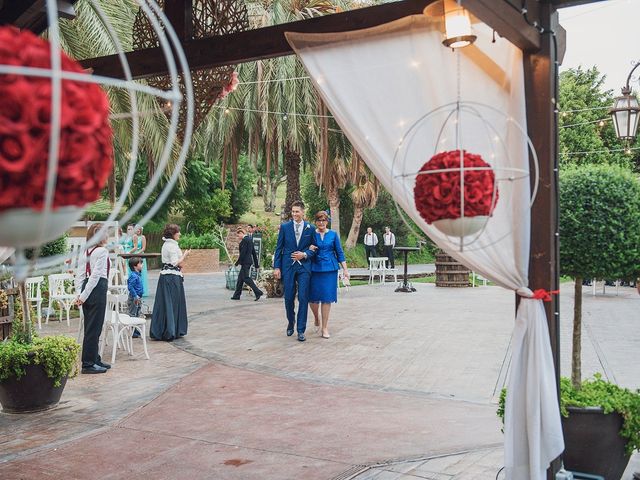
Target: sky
column 605, row 34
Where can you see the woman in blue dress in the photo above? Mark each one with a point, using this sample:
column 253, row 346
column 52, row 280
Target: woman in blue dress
column 139, row 246
column 324, row 272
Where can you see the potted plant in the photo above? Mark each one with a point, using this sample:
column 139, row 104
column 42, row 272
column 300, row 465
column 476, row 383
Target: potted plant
column 601, row 424
column 33, row 369
column 600, row 231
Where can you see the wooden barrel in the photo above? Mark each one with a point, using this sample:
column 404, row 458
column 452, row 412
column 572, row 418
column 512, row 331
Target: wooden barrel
column 450, row 273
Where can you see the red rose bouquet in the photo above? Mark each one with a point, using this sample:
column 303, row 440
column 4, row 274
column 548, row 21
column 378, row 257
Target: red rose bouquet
column 85, row 155
column 438, row 196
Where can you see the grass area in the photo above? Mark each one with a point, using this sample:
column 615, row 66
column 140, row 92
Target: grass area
column 256, row 215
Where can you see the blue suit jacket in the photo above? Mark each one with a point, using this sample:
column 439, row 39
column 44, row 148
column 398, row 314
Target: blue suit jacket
column 329, row 253
column 286, row 245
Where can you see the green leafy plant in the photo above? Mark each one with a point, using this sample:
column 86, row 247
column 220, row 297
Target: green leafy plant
column 196, row 242
column 597, row 392
column 600, row 233
column 57, row 354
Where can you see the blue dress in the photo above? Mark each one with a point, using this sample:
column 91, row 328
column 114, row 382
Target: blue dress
column 324, row 268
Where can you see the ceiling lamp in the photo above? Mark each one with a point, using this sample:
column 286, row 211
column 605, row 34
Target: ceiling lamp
column 457, row 26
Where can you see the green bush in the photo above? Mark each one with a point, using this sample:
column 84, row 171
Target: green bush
column 597, row 392
column 196, row 242
column 599, row 222
column 57, row 354
column 55, row 247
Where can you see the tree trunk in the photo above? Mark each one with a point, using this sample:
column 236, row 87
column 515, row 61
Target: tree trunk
column 292, row 168
column 352, row 239
column 576, row 360
column 273, row 193
column 334, row 206
column 260, row 187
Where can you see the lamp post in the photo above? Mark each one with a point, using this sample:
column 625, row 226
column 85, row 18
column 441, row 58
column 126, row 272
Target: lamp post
column 625, row 112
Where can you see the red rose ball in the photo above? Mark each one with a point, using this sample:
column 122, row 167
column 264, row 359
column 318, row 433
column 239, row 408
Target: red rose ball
column 85, row 155
column 438, row 196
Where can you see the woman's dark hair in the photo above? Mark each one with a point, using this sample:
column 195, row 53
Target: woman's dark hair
column 170, row 230
column 133, row 261
column 321, row 215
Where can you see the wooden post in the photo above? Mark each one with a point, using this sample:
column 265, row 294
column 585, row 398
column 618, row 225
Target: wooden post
column 541, row 97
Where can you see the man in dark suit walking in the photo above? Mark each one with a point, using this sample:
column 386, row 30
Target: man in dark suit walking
column 292, row 263
column 246, row 258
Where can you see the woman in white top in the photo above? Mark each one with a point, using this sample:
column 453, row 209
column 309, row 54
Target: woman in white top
column 169, row 317
column 92, row 286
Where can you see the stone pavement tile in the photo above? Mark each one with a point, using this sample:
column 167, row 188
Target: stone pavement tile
column 123, row 454
column 343, row 424
column 90, row 402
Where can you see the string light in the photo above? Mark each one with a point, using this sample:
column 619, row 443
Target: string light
column 599, row 122
column 627, row 150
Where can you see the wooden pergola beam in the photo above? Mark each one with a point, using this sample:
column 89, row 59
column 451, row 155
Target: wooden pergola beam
column 270, row 42
column 32, row 14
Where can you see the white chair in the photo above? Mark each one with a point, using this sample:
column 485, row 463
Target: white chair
column 62, row 293
column 34, row 294
column 391, row 271
column 122, row 326
column 377, row 269
column 475, row 276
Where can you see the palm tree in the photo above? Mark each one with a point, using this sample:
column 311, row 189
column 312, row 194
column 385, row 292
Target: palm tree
column 272, row 113
column 86, row 37
column 332, row 168
column 364, row 195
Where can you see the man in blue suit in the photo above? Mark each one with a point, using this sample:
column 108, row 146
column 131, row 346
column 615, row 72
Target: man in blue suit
column 292, row 263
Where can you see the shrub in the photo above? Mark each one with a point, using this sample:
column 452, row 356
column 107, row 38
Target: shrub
column 597, row 392
column 196, row 242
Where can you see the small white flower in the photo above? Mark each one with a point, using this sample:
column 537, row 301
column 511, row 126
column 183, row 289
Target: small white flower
column 308, row 226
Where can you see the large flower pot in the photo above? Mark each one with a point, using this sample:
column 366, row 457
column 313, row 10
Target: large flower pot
column 33, row 392
column 593, row 443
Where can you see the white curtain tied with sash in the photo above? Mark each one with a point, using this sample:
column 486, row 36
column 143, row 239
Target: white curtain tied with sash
column 379, row 83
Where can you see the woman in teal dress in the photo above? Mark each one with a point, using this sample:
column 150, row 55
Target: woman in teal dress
column 139, row 246
column 329, row 257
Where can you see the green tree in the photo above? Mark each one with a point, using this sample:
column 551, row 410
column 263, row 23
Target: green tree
column 599, row 233
column 585, row 125
column 204, row 204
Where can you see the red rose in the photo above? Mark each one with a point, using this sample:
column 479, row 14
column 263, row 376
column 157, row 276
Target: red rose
column 86, row 139
column 438, row 195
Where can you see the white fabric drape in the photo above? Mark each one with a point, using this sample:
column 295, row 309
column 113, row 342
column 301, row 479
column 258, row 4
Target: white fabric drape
column 384, row 87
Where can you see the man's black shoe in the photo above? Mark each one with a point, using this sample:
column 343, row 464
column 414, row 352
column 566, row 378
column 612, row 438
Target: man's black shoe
column 289, row 332
column 258, row 296
column 103, row 365
column 95, row 368
column 301, row 337
column 235, row 298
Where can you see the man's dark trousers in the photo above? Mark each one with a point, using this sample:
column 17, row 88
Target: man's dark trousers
column 245, row 277
column 388, row 252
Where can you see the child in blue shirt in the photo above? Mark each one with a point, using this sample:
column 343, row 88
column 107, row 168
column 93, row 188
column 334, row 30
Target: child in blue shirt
column 134, row 284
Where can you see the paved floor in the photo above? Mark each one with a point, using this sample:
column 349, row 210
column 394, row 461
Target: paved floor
column 404, row 389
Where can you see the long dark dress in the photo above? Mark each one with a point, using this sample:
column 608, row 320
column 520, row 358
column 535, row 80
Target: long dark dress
column 169, row 317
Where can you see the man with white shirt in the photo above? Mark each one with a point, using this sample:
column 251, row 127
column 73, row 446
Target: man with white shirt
column 370, row 242
column 389, row 241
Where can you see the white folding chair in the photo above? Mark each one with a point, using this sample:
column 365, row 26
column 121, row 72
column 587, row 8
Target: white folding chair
column 122, row 326
column 475, row 276
column 34, row 294
column 377, row 268
column 391, row 272
column 61, row 293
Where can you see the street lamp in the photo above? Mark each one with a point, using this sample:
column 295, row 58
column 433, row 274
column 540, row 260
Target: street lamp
column 625, row 112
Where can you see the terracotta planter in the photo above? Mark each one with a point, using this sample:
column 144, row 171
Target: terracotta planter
column 593, row 443
column 202, row 261
column 33, row 392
